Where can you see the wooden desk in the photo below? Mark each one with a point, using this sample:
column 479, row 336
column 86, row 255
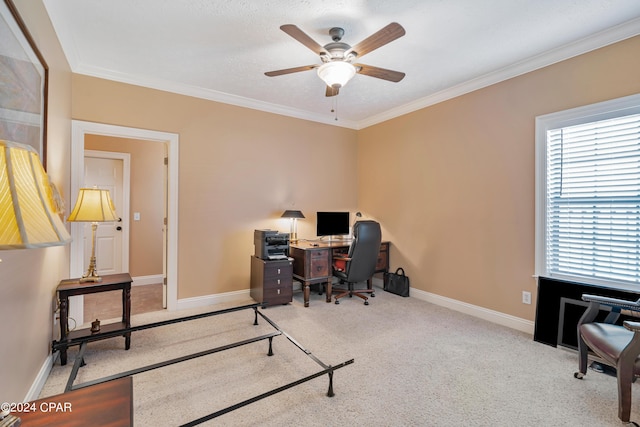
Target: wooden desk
column 106, row 404
column 312, row 263
column 73, row 287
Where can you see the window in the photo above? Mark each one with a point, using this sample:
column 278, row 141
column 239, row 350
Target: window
column 588, row 194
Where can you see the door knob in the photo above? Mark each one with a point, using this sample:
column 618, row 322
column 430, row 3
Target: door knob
column 119, row 228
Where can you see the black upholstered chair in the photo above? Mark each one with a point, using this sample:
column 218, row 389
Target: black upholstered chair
column 614, row 345
column 360, row 263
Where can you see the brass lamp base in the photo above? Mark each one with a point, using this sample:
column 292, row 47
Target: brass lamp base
column 92, row 274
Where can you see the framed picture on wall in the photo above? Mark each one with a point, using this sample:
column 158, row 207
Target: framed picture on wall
column 23, row 84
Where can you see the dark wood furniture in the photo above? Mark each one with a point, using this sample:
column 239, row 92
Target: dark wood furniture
column 271, row 281
column 106, row 404
column 72, row 287
column 312, row 263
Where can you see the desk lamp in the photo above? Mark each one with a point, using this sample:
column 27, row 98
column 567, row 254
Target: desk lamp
column 93, row 205
column 28, row 217
column 293, row 215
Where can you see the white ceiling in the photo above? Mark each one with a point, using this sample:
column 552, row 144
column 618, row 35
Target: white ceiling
column 220, row 49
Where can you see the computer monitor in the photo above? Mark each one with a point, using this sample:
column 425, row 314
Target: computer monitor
column 332, row 223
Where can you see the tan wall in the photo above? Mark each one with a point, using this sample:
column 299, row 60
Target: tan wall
column 452, row 184
column 457, row 194
column 28, row 278
column 239, row 169
column 146, row 197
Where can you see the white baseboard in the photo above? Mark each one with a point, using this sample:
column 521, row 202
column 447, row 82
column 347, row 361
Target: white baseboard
column 503, row 319
column 206, row 300
column 147, row 280
column 507, row 320
column 41, row 378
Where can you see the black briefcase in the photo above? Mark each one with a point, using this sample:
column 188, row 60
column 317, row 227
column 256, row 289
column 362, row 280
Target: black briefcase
column 397, row 283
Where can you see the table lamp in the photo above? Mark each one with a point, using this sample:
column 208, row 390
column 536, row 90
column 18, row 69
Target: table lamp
column 28, row 216
column 93, row 205
column 293, row 215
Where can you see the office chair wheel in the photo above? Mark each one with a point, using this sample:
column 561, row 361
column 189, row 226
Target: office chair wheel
column 373, row 294
column 578, row 375
column 337, row 301
column 366, row 302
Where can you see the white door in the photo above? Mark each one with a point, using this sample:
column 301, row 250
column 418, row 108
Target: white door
column 107, row 173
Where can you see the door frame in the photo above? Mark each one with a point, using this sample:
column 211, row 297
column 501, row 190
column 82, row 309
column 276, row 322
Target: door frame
column 123, row 210
column 78, row 131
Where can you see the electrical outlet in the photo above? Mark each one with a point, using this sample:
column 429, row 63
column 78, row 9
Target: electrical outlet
column 526, row 297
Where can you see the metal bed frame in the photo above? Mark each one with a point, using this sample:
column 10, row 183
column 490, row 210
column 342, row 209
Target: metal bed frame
column 82, row 342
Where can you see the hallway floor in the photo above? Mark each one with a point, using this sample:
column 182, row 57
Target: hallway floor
column 108, row 305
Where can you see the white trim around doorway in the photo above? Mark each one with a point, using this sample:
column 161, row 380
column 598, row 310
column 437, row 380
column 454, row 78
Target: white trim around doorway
column 79, row 130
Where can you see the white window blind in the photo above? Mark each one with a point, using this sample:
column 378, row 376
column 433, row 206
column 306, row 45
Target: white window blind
column 592, row 213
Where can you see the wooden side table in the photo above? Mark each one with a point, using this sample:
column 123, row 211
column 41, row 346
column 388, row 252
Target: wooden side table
column 72, row 287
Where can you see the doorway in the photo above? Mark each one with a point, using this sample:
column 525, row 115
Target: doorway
column 79, row 131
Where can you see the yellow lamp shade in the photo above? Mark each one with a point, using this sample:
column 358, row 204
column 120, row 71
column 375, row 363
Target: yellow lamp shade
column 28, row 218
column 93, row 205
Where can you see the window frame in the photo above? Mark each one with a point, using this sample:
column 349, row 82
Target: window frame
column 590, row 113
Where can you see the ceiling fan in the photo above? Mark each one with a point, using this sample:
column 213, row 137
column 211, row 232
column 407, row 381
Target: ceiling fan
column 337, row 58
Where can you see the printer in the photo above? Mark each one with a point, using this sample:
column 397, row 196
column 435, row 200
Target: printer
column 271, row 244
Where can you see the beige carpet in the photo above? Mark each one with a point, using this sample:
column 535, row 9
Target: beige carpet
column 416, row 364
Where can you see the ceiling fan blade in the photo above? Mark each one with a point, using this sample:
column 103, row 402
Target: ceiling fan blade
column 331, row 91
column 290, row 70
column 386, row 35
column 380, row 73
column 303, row 38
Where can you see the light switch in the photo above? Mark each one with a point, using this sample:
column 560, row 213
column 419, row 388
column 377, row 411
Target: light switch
column 136, row 216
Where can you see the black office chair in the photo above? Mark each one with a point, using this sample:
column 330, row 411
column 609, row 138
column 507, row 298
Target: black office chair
column 614, row 345
column 360, row 263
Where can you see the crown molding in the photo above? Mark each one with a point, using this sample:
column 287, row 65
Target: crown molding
column 604, row 38
column 211, row 95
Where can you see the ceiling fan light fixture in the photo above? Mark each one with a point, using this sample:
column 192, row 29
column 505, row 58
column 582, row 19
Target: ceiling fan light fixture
column 336, row 74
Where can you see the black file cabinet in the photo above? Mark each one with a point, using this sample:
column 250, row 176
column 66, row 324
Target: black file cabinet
column 271, row 281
